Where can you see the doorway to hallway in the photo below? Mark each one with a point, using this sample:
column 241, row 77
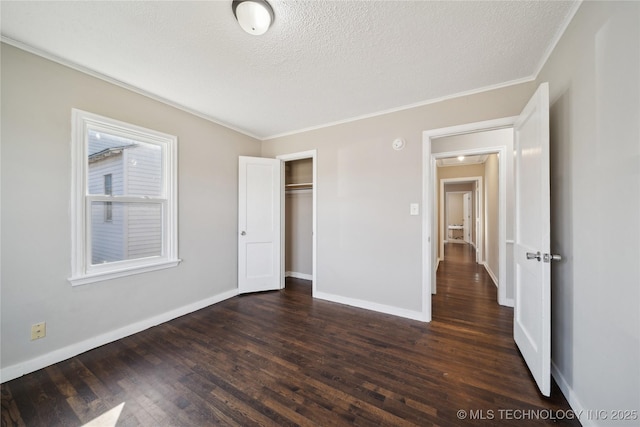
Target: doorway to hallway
column 464, row 285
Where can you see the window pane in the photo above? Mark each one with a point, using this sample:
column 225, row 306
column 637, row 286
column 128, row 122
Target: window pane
column 134, row 231
column 135, row 167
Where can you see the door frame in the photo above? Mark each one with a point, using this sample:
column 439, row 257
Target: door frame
column 448, row 195
column 478, row 214
column 429, row 190
column 313, row 155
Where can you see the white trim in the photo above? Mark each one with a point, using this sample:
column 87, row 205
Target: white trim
column 14, row 371
column 491, row 274
column 429, row 233
column 487, row 125
column 509, row 302
column 571, row 396
column 119, row 83
column 405, row 107
column 297, row 275
column 442, row 223
column 428, row 200
column 373, row 306
column 556, row 39
column 82, row 271
column 100, row 276
column 313, row 155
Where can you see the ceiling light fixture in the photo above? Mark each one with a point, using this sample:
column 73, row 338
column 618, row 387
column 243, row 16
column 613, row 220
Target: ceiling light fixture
column 460, row 158
column 254, row 16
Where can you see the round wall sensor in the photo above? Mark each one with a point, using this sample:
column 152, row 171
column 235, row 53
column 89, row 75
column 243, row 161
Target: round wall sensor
column 398, row 144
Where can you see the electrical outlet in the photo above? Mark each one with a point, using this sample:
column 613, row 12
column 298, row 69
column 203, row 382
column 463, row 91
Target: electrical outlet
column 39, row 330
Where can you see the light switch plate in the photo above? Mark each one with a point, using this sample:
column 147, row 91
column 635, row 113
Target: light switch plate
column 414, row 209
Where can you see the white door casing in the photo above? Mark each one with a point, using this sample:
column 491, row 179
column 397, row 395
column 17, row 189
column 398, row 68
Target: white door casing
column 310, row 154
column 466, row 221
column 439, row 204
column 532, row 310
column 259, row 224
column 479, row 224
column 430, row 214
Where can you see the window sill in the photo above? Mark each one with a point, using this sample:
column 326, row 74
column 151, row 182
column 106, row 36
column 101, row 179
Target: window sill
column 108, row 275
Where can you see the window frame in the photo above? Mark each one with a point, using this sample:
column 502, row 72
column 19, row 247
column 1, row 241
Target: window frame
column 108, row 191
column 82, row 270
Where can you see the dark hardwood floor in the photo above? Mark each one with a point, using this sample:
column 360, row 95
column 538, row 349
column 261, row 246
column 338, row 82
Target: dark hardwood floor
column 281, row 358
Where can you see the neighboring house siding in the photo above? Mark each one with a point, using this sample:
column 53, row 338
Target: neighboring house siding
column 144, row 177
column 134, row 230
column 144, row 170
column 108, row 237
column 144, row 237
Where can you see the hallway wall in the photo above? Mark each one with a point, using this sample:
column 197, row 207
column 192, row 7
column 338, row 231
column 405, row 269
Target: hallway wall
column 491, row 217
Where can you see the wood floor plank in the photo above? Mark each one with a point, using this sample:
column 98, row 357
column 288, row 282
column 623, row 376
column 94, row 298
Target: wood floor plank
column 284, row 359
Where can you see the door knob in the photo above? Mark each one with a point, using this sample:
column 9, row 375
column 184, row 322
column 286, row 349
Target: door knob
column 551, row 257
column 243, row 233
column 531, row 255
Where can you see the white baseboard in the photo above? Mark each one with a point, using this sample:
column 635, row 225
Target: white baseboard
column 508, row 302
column 14, row 371
column 368, row 305
column 571, row 397
column 491, row 273
column 297, row 275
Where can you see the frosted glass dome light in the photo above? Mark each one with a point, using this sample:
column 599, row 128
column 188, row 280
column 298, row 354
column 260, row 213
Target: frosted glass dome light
column 254, row 16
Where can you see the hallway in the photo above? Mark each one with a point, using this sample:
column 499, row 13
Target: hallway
column 466, row 291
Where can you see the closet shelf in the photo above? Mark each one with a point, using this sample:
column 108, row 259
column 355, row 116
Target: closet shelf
column 299, row 186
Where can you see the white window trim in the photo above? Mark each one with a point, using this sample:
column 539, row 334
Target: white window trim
column 82, row 272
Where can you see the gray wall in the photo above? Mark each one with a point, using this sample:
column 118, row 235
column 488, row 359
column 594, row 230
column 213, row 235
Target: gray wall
column 37, row 97
column 594, row 78
column 369, row 247
column 299, row 232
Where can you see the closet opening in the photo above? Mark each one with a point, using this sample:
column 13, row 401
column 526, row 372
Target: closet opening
column 299, row 219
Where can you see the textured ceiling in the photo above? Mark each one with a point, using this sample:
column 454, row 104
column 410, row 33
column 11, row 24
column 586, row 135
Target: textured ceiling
column 321, row 62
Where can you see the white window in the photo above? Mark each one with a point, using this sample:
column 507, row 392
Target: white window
column 124, row 199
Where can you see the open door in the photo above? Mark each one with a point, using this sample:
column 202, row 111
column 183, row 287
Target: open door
column 532, row 310
column 259, row 222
